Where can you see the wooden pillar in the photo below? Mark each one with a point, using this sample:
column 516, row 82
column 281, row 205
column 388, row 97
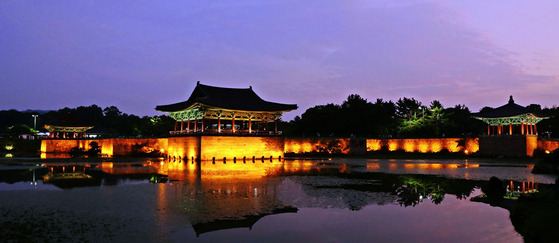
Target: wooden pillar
column 535, row 129
column 195, row 125
column 233, row 124
column 522, row 128
column 249, row 126
column 276, row 126
column 510, row 128
column 531, row 129
column 63, row 134
column 488, row 129
column 176, row 122
column 499, row 129
column 203, row 119
column 188, row 126
column 182, row 125
column 219, row 124
column 265, row 125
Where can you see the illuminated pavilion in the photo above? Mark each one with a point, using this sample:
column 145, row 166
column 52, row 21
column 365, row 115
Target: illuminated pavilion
column 217, row 110
column 67, row 127
column 511, row 119
column 511, row 130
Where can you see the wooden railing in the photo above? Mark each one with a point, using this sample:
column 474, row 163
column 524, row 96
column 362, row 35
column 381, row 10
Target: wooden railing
column 226, row 132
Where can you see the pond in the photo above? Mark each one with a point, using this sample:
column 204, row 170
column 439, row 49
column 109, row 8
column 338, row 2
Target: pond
column 332, row 200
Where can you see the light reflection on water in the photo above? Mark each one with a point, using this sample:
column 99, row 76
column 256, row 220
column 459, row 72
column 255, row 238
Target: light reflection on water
column 301, row 200
column 474, row 170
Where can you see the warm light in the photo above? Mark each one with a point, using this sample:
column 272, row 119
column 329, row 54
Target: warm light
column 409, row 145
column 466, row 151
column 9, row 155
column 9, row 147
column 238, row 170
column 107, row 165
column 392, row 145
column 471, row 166
column 373, row 144
column 547, row 152
column 431, row 145
column 423, row 147
column 436, row 146
column 373, row 166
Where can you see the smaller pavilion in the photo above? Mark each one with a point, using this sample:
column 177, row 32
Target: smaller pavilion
column 511, row 130
column 511, row 119
column 67, row 127
column 217, row 110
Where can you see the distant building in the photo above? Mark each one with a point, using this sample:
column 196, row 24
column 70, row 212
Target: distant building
column 511, row 129
column 67, row 127
column 225, row 110
column 511, row 119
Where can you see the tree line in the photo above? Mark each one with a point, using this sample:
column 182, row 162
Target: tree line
column 355, row 117
column 407, row 117
column 110, row 121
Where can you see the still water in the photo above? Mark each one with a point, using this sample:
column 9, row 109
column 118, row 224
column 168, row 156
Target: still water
column 336, row 200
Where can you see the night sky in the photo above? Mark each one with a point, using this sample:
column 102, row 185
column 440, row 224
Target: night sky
column 139, row 54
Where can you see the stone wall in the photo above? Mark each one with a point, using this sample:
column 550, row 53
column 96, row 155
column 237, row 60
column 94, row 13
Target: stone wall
column 208, row 147
column 109, row 147
column 184, row 148
column 508, row 146
column 240, row 147
column 181, row 148
column 548, row 145
column 317, row 145
column 425, row 145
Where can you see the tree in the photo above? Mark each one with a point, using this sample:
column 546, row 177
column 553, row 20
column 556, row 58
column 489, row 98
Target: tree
column 436, row 117
column 407, row 108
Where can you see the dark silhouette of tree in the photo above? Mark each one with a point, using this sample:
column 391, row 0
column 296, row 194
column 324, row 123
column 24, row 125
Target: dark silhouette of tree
column 109, row 120
column 407, row 108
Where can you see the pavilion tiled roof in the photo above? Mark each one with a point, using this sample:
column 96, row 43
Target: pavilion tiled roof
column 509, row 110
column 226, row 98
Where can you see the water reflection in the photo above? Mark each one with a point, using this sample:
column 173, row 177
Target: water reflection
column 204, row 199
column 461, row 169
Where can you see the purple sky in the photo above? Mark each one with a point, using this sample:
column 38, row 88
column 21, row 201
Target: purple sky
column 136, row 54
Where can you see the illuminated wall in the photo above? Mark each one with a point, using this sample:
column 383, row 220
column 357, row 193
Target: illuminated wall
column 239, row 147
column 509, row 146
column 315, row 145
column 185, row 148
column 208, row 147
column 109, row 147
column 58, row 145
column 123, row 146
column 548, row 145
column 425, row 145
column 531, row 145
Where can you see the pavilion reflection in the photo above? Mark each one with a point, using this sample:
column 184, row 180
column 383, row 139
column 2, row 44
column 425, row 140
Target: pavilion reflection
column 69, row 175
column 217, row 195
